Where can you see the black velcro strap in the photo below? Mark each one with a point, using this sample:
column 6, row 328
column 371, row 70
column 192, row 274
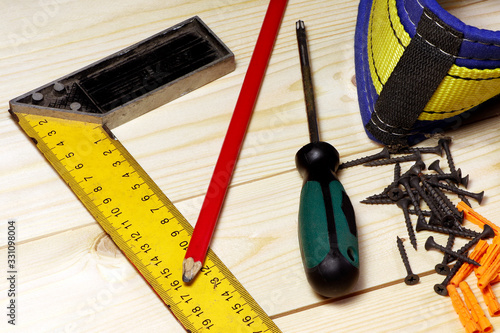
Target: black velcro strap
column 420, row 70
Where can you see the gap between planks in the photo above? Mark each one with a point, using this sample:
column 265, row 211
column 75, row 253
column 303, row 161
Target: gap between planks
column 357, row 293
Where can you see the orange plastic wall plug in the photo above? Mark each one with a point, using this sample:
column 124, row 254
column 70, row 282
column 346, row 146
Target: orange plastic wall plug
column 491, row 301
column 490, row 273
column 463, row 313
column 472, row 216
column 475, row 309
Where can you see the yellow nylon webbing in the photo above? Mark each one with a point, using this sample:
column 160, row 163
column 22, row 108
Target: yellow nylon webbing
column 462, row 89
column 385, row 36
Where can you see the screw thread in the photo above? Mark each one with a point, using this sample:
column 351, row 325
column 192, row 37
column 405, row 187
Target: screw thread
column 427, row 150
column 406, row 158
column 424, row 212
column 406, row 184
column 452, row 272
column 409, row 227
column 380, row 201
column 445, row 203
column 377, row 196
column 383, row 154
column 477, row 196
column 444, row 230
column 437, row 198
column 445, row 143
column 397, row 171
column 431, row 244
column 443, row 176
column 483, row 235
column 404, row 256
column 449, row 245
column 429, row 201
column 435, row 166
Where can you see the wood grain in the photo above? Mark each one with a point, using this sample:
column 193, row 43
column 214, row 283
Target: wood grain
column 73, row 279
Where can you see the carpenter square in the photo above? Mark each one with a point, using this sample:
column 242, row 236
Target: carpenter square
column 135, row 80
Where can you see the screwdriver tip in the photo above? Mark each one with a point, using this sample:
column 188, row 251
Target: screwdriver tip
column 300, row 25
column 190, row 269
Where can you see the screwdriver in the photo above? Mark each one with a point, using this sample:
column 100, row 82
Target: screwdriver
column 327, row 226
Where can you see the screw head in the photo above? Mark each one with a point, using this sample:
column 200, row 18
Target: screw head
column 444, row 141
column 434, row 166
column 434, row 220
column 440, row 289
column 465, row 181
column 488, row 232
column 412, row 279
column 448, row 221
column 442, row 269
column 416, row 168
column 420, row 225
column 395, row 194
column 430, row 243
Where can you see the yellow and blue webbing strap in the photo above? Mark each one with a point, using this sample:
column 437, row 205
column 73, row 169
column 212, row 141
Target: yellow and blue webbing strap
column 419, row 69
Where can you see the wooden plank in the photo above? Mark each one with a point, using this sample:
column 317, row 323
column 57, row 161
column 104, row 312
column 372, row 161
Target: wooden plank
column 404, row 309
column 75, row 280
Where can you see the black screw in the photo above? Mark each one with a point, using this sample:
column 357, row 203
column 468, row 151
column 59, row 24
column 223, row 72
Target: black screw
column 395, row 194
column 443, row 202
column 377, row 201
column 415, row 168
column 464, row 181
column 424, row 212
column 487, row 232
column 413, row 157
column 438, row 149
column 454, row 177
column 403, row 204
column 405, row 181
column 383, row 154
column 434, row 166
column 421, row 225
column 476, row 196
column 377, row 196
column 431, row 244
column 442, row 268
column 389, row 195
column 397, row 171
column 433, row 220
column 410, row 278
column 450, row 216
column 415, row 183
column 445, row 143
column 440, row 288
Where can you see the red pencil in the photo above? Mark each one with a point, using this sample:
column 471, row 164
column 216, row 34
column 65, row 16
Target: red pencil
column 226, row 162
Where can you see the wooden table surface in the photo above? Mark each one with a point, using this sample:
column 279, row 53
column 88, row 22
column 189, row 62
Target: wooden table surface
column 72, row 278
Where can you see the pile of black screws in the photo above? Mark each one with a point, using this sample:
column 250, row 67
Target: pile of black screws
column 412, row 188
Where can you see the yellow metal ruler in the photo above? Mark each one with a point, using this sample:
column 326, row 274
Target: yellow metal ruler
column 145, row 225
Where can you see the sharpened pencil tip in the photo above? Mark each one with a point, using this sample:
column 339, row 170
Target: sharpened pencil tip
column 190, row 269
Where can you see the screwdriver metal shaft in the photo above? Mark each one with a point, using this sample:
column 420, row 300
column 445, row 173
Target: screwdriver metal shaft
column 307, row 83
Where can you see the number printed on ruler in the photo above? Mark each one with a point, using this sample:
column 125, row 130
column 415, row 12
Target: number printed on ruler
column 145, row 225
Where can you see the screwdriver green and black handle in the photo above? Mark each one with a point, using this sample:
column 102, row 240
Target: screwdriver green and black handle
column 327, row 226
